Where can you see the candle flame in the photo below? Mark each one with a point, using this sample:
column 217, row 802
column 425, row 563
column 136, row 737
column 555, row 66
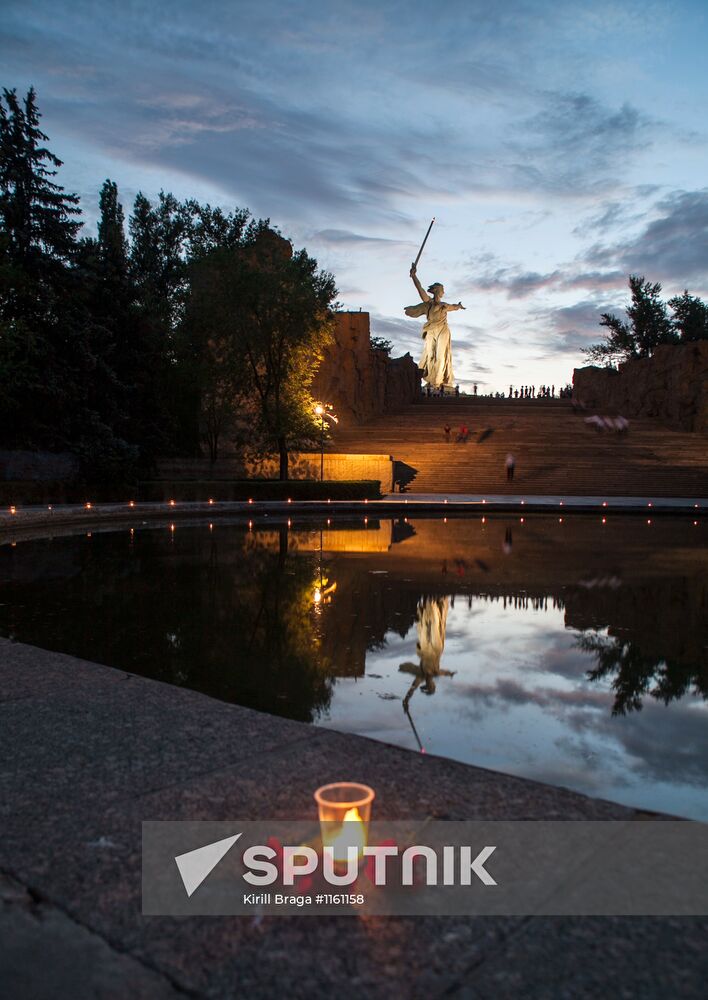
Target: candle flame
column 352, row 833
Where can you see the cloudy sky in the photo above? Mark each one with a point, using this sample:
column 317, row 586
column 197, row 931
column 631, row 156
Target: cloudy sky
column 560, row 146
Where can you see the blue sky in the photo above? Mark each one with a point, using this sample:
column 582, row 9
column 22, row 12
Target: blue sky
column 559, row 145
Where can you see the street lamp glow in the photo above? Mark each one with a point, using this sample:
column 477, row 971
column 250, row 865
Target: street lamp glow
column 322, row 411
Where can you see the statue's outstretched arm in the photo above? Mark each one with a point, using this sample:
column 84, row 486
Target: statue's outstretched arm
column 421, row 291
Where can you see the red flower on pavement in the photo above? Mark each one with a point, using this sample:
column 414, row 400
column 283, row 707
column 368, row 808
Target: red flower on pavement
column 370, row 867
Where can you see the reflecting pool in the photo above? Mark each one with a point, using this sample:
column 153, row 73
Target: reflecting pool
column 568, row 650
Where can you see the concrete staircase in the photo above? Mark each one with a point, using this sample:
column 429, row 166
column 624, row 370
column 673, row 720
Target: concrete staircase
column 555, row 451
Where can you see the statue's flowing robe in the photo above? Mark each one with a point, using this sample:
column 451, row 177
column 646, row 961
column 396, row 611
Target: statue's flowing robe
column 436, row 359
column 431, row 623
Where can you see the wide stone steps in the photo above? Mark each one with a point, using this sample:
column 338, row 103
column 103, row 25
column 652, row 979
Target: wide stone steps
column 555, row 451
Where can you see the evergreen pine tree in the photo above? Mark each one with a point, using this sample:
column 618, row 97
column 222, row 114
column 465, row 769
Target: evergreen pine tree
column 38, row 216
column 38, row 229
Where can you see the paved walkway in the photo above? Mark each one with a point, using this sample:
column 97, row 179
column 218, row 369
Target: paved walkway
column 87, row 752
column 513, row 500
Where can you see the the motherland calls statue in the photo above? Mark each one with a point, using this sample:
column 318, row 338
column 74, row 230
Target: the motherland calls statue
column 431, row 621
column 436, row 359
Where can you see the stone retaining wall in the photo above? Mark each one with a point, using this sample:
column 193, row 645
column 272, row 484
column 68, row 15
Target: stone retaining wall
column 358, row 381
column 671, row 387
column 302, row 465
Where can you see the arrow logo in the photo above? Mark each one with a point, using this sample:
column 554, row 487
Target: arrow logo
column 194, row 866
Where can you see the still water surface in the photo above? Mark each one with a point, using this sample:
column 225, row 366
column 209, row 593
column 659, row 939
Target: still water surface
column 567, row 650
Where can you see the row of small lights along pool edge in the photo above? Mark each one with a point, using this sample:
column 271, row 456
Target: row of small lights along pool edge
column 173, row 503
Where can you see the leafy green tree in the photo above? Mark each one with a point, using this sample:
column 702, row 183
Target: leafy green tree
column 167, row 401
column 96, row 355
column 647, row 326
column 215, row 356
column 112, row 240
column 107, row 439
column 381, row 344
column 690, row 317
column 212, row 229
column 264, row 314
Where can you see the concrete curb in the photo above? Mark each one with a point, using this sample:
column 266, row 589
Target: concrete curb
column 17, row 521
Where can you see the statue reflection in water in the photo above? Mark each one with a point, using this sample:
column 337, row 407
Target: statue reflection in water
column 431, row 621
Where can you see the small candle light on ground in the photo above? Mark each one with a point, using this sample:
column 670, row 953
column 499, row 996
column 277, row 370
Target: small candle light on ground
column 344, row 809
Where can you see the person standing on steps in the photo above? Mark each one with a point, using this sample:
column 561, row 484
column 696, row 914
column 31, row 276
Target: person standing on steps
column 508, row 543
column 510, row 466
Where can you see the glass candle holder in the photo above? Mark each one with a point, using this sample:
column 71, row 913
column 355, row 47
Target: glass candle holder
column 344, row 809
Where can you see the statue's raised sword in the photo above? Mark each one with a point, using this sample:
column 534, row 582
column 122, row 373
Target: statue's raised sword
column 422, row 245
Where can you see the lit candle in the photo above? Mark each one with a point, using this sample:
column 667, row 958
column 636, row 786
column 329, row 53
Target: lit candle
column 344, row 812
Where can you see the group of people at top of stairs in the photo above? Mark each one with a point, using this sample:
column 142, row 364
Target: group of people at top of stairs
column 544, row 392
column 442, row 390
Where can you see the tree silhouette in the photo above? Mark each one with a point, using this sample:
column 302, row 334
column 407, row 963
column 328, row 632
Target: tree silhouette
column 690, row 317
column 259, row 318
column 636, row 675
column 648, row 325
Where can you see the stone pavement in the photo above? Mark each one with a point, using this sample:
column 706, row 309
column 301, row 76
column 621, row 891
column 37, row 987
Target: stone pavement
column 513, row 501
column 88, row 752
